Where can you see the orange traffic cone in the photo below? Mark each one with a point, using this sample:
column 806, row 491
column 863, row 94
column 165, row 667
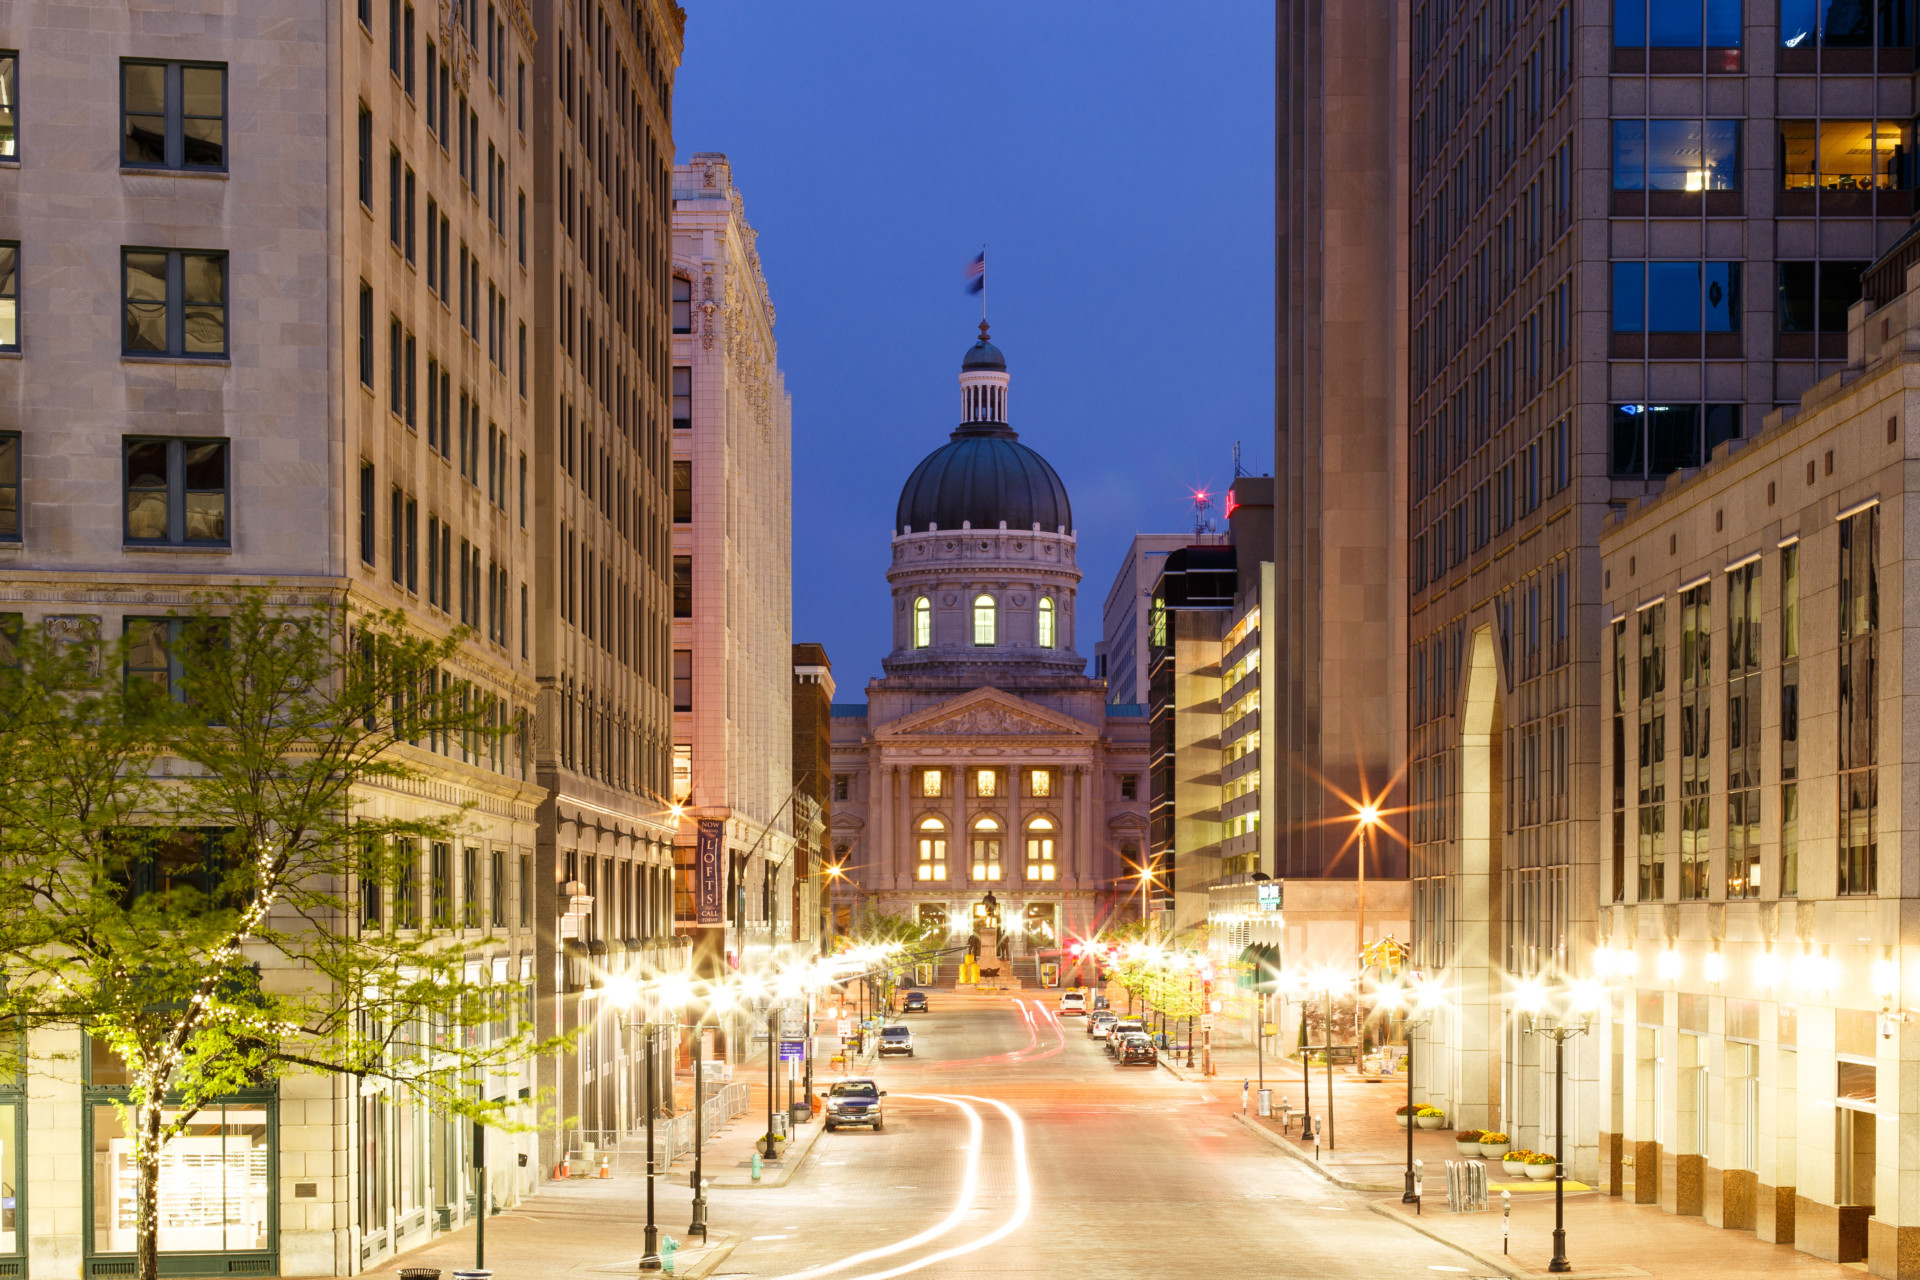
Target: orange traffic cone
column 603, row 1169
column 561, row 1171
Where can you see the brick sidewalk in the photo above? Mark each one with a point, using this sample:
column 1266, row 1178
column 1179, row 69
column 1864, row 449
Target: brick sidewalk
column 1606, row 1236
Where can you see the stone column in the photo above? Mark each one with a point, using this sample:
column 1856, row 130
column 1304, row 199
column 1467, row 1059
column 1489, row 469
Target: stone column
column 959, row 842
column 1015, row 853
column 880, row 838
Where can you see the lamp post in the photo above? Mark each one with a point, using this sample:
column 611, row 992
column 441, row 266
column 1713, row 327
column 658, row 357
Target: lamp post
column 623, row 993
column 1574, row 1018
column 1330, row 980
column 1416, row 1010
column 699, row 1224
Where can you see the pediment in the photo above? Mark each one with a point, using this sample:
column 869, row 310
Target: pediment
column 986, row 713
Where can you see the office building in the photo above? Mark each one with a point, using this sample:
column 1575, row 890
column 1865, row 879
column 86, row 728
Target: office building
column 1121, row 655
column 305, row 303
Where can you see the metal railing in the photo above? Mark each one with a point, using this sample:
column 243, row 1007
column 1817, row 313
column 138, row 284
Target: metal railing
column 672, row 1139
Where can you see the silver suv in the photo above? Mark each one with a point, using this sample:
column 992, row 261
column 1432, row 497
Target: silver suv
column 855, row 1102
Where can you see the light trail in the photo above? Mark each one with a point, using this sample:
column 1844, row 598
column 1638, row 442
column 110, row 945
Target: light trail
column 969, row 1188
column 1023, row 1207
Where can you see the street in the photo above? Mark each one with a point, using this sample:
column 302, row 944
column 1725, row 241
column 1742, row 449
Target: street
column 1126, row 1173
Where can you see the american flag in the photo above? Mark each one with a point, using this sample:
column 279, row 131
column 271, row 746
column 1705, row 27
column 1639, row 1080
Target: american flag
column 977, row 273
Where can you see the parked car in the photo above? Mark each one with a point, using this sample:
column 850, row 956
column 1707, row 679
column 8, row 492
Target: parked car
column 1099, row 1020
column 1123, row 1027
column 896, row 1039
column 855, row 1102
column 1073, row 1002
column 1135, row 1047
column 916, row 1002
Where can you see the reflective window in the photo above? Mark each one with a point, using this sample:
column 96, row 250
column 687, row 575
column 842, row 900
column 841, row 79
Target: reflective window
column 9, row 112
column 176, row 491
column 213, row 1182
column 9, row 296
column 1813, row 297
column 1676, row 297
column 682, row 305
column 1658, row 439
column 173, row 115
column 175, row 302
column 1676, row 155
column 1677, row 24
column 1837, row 24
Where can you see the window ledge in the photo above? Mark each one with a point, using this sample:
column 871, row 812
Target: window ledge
column 13, row 353
column 218, row 362
column 143, row 171
column 179, row 548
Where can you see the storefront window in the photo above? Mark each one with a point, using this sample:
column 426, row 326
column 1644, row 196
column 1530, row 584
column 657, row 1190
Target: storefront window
column 12, row 1224
column 214, row 1180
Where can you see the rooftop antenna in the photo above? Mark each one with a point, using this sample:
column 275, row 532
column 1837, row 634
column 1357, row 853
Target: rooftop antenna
column 1237, row 471
column 1202, row 503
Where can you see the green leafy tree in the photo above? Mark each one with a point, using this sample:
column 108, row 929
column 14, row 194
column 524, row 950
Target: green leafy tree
column 192, row 874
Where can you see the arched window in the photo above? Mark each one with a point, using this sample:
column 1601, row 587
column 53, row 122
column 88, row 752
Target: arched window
column 1046, row 622
column 922, row 623
column 1040, row 863
column 986, row 849
column 682, row 305
column 933, row 850
column 985, row 619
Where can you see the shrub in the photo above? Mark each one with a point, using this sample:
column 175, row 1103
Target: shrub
column 1468, row 1136
column 1518, row 1155
column 1406, row 1111
column 1539, row 1158
column 1429, row 1112
column 1493, row 1135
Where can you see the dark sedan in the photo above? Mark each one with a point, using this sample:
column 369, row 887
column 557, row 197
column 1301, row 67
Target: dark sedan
column 916, row 1002
column 1137, row 1048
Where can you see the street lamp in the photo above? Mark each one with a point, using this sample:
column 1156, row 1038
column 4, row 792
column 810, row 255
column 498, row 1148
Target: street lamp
column 1573, row 1016
column 623, row 993
column 1416, row 1010
column 1328, row 981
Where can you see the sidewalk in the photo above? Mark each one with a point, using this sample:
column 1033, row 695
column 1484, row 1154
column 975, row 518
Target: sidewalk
column 1606, row 1235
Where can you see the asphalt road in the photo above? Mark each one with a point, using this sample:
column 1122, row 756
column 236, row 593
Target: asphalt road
column 1014, row 1146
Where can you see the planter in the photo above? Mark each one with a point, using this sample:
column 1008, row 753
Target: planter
column 1402, row 1120
column 1468, row 1149
column 1494, row 1150
column 1514, row 1168
column 1432, row 1122
column 1539, row 1172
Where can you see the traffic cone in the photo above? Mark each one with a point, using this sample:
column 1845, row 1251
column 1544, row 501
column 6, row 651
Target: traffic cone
column 603, row 1169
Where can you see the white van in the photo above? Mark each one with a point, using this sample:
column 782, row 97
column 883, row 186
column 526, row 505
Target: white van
column 1073, row 1002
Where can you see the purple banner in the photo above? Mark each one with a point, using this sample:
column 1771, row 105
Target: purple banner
column 710, row 880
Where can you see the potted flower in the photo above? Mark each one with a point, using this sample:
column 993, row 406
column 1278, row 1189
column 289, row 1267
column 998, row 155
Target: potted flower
column 1493, row 1144
column 1540, row 1166
column 1430, row 1118
column 1468, row 1140
column 1404, row 1114
column 1515, row 1163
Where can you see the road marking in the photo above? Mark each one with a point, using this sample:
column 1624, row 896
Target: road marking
column 1437, row 1267
column 770, row 1237
column 969, row 1187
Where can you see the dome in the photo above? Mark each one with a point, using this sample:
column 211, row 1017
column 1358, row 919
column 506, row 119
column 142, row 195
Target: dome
column 981, row 476
column 983, row 355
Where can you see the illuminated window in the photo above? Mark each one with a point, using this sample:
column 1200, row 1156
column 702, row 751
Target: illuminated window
column 985, row 782
column 933, row 850
column 922, row 623
column 1040, row 782
column 986, row 849
column 1040, row 865
column 682, row 772
column 983, row 619
column 1046, row 622
column 930, row 783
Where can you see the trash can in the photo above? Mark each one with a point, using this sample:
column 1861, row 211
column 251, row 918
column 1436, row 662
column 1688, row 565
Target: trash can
column 419, row 1273
column 780, row 1129
column 473, row 1275
column 798, row 1115
column 1266, row 1102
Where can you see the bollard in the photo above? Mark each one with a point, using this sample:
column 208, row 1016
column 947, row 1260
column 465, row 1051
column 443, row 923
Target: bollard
column 1419, row 1181
column 1243, row 1096
column 1316, row 1138
column 1506, row 1217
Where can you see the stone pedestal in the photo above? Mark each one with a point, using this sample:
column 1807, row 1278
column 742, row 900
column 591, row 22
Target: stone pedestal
column 1682, row 1181
column 1729, row 1200
column 1773, row 1213
column 1893, row 1252
column 1612, row 1162
column 1646, row 1173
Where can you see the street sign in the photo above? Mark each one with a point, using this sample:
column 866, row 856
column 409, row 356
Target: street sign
column 792, row 1050
column 1206, row 1022
column 846, row 1027
column 793, row 1023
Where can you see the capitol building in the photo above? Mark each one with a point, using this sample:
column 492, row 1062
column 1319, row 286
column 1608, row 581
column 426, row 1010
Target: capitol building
column 986, row 780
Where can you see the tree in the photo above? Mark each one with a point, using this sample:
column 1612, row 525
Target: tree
column 906, row 940
column 191, row 873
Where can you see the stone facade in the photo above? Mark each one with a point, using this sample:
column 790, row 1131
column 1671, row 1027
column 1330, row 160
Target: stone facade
column 381, row 368
column 733, row 554
column 1753, row 927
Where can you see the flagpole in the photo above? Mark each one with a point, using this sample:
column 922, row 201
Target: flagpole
column 983, row 283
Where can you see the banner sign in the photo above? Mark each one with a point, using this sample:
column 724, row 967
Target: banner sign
column 710, row 880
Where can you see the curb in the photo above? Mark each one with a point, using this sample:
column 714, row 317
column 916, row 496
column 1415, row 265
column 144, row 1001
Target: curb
column 709, row 1261
column 1501, row 1265
column 789, row 1163
column 1309, row 1161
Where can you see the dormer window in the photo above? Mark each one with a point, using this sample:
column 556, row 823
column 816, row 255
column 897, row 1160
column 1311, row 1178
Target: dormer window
column 922, row 623
column 985, row 619
column 1045, row 629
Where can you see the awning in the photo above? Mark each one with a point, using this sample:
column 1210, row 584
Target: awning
column 1262, row 968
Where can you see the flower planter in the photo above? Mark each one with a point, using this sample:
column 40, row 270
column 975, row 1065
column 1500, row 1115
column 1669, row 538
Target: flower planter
column 1494, row 1150
column 1514, row 1168
column 1468, row 1149
column 1431, row 1122
column 1402, row 1120
column 1539, row 1172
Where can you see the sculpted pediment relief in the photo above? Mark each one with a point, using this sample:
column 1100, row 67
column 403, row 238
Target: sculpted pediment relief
column 987, row 713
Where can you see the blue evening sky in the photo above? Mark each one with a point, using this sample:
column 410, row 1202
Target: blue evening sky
column 1116, row 158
